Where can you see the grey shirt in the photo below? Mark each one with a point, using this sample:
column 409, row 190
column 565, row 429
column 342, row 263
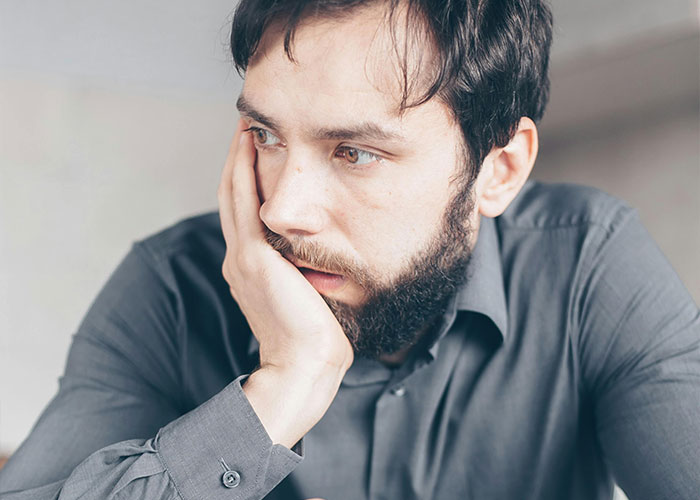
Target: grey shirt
column 571, row 358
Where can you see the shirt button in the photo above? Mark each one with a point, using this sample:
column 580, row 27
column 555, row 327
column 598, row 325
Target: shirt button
column 398, row 391
column 231, row 478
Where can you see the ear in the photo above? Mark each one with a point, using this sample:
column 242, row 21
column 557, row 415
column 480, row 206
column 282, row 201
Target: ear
column 505, row 170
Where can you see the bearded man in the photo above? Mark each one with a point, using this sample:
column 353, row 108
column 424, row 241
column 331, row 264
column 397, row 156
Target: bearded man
column 383, row 307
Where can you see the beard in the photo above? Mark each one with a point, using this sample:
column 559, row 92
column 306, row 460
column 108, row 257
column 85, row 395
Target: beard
column 395, row 314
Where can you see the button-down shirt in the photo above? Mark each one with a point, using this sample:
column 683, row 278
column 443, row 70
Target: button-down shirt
column 569, row 360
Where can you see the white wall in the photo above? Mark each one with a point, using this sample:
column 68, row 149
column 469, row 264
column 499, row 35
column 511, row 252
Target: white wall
column 115, row 119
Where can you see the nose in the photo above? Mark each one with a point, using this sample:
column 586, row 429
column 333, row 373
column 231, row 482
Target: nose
column 293, row 198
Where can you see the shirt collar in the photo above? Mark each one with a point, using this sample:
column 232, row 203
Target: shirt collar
column 483, row 292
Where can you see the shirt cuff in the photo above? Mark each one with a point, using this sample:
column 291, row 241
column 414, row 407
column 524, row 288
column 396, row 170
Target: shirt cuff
column 220, row 450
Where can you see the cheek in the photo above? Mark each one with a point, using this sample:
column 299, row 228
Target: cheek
column 395, row 219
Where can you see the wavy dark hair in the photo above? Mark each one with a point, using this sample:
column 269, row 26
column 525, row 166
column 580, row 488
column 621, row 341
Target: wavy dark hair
column 490, row 64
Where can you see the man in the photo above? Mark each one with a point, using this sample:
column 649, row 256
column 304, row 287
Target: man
column 398, row 314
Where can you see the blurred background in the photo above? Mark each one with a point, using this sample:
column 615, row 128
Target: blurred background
column 115, row 120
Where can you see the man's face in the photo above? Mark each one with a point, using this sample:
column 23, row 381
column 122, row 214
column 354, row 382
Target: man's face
column 350, row 187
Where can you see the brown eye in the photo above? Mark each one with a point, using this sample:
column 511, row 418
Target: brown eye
column 351, row 155
column 263, row 138
column 356, row 156
column 261, row 135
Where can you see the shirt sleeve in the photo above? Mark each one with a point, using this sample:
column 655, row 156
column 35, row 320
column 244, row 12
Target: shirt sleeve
column 640, row 358
column 115, row 429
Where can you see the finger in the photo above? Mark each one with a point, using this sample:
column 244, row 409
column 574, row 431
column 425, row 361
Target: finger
column 246, row 203
column 224, row 193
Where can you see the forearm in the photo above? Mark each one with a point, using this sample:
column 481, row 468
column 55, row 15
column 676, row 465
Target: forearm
column 183, row 461
column 129, row 468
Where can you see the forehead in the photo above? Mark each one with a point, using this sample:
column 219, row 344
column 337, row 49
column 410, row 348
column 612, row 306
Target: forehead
column 342, row 68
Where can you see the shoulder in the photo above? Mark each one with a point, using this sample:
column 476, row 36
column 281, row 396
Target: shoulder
column 565, row 227
column 541, row 206
column 558, row 232
column 186, row 254
column 554, row 238
column 199, row 235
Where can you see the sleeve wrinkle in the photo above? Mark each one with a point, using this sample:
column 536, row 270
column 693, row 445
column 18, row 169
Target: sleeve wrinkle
column 142, row 386
column 585, row 285
column 153, row 261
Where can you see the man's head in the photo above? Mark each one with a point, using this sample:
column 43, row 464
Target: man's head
column 384, row 129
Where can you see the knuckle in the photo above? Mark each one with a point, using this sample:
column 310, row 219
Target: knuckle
column 237, row 199
column 245, row 260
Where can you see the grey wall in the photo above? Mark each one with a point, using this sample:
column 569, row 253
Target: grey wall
column 115, row 119
column 602, row 25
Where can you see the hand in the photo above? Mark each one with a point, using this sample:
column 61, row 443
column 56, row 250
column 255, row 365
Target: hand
column 293, row 324
column 304, row 352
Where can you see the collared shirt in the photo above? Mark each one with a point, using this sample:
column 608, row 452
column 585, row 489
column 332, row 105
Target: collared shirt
column 570, row 359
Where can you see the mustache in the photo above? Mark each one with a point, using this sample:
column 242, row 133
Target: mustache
column 314, row 254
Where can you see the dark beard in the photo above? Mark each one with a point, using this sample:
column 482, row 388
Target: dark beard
column 394, row 315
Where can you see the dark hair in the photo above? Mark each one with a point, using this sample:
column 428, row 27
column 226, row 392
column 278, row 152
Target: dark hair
column 490, row 66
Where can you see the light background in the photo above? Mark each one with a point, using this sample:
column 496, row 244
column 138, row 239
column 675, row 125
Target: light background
column 115, row 119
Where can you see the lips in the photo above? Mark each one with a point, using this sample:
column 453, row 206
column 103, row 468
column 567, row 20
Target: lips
column 302, row 265
column 322, row 281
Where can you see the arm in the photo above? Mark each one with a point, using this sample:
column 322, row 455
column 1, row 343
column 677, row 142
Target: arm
column 115, row 430
column 640, row 356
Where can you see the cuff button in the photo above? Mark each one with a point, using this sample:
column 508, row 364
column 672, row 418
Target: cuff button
column 231, row 478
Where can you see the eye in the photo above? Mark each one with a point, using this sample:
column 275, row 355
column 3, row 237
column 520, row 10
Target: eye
column 356, row 156
column 262, row 137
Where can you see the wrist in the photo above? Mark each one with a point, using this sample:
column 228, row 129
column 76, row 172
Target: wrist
column 314, row 362
column 290, row 402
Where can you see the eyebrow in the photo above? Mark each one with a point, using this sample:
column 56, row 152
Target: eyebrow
column 365, row 131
